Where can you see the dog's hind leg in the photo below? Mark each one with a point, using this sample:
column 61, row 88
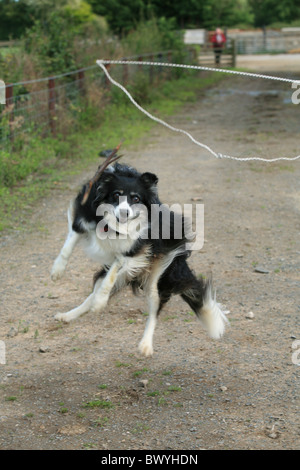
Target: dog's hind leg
column 156, row 299
column 61, row 261
column 202, row 300
column 146, row 344
column 198, row 293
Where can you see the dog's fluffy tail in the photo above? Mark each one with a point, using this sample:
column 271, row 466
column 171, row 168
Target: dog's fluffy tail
column 211, row 315
column 203, row 302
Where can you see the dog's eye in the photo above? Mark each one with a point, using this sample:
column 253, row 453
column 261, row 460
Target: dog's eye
column 135, row 199
column 116, row 195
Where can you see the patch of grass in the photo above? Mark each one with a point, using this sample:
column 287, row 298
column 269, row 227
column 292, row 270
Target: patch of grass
column 138, row 373
column 101, row 421
column 155, row 393
column 140, row 428
column 102, row 386
column 174, row 388
column 122, row 364
column 103, row 404
column 63, row 410
column 11, row 398
column 162, row 401
column 89, row 445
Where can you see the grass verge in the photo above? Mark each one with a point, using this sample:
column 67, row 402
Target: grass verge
column 43, row 164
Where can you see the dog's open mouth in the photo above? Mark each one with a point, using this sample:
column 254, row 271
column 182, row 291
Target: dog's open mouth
column 111, row 226
column 106, row 228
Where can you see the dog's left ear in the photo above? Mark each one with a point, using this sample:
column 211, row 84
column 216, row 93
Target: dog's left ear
column 149, row 179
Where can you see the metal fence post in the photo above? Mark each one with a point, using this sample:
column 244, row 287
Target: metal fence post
column 51, row 105
column 9, row 97
column 233, row 63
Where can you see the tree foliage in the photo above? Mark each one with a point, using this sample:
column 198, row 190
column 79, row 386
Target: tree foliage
column 123, row 16
column 15, row 17
column 271, row 11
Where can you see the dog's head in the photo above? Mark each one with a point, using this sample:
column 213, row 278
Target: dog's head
column 124, row 198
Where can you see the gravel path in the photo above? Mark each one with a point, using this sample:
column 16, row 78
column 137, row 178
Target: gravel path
column 85, row 386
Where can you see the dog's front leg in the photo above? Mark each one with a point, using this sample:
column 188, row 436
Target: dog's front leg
column 61, row 261
column 102, row 294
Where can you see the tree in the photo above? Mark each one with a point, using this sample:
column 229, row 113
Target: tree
column 271, row 11
column 122, row 16
column 52, row 37
column 15, row 17
column 224, row 13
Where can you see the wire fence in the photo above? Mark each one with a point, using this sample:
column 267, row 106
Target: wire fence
column 51, row 106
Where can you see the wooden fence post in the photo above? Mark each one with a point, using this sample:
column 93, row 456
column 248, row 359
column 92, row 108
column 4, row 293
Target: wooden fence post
column 81, row 82
column 170, row 70
column 151, row 68
column 107, row 81
column 140, row 66
column 125, row 73
column 51, row 106
column 160, row 59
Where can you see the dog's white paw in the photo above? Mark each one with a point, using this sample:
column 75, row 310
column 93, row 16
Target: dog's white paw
column 146, row 348
column 58, row 269
column 65, row 317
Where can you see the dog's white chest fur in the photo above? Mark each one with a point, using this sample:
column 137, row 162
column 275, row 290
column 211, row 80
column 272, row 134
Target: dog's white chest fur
column 104, row 251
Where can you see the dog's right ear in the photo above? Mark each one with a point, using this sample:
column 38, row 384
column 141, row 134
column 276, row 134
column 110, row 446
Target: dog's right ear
column 149, row 179
column 101, row 185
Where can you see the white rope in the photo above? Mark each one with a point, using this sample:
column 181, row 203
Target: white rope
column 102, row 63
column 196, row 67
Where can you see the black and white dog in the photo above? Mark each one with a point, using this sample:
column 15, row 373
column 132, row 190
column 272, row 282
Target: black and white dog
column 117, row 228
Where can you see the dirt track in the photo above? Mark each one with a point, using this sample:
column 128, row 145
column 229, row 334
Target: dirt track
column 241, row 392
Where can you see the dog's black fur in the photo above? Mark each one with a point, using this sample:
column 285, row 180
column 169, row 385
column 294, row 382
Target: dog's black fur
column 156, row 265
